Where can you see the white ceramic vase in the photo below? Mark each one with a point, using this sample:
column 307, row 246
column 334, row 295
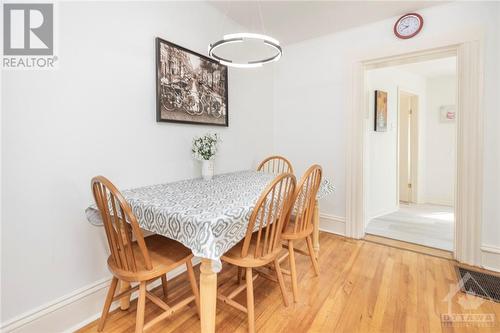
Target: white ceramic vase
column 207, row 169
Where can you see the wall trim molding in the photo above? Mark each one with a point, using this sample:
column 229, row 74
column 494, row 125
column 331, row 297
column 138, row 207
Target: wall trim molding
column 332, row 224
column 97, row 315
column 490, row 257
column 469, row 169
column 438, row 202
column 336, row 218
column 493, row 269
column 490, row 249
column 54, row 305
column 387, row 212
column 71, row 311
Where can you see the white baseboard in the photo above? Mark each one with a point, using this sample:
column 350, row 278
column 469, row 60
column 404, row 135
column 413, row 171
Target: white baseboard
column 72, row 311
column 387, row 212
column 490, row 257
column 439, row 202
column 332, row 224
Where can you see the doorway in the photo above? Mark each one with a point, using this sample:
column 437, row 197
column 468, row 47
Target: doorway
column 469, row 126
column 412, row 163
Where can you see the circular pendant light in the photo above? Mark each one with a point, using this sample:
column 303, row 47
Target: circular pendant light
column 241, row 38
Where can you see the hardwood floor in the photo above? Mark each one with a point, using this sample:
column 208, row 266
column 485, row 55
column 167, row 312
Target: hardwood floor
column 363, row 287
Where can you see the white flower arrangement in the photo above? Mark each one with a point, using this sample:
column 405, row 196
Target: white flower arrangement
column 205, row 147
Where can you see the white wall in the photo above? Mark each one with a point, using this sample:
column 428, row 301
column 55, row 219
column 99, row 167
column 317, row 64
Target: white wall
column 382, row 147
column 313, row 91
column 440, row 143
column 96, row 115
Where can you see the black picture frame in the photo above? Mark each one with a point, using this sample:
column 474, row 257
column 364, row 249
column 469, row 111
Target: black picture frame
column 206, row 104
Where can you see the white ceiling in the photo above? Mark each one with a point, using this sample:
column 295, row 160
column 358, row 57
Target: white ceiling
column 432, row 68
column 294, row 21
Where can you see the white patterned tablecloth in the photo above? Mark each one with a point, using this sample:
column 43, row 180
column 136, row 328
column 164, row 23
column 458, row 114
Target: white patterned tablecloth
column 325, row 189
column 208, row 217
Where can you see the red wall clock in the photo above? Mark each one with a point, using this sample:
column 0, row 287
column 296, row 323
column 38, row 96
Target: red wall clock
column 408, row 25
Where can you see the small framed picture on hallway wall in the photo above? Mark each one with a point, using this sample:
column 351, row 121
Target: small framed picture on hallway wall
column 447, row 113
column 380, row 111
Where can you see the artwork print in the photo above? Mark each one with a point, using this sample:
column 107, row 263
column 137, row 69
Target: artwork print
column 447, row 113
column 191, row 88
column 380, row 111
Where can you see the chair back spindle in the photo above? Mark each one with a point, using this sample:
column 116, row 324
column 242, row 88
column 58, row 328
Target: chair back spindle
column 120, row 225
column 266, row 221
column 276, row 165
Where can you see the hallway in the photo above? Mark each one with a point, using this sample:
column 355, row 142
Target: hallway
column 429, row 225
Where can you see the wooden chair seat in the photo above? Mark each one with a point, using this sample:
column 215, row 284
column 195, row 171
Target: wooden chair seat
column 290, row 233
column 233, row 256
column 165, row 254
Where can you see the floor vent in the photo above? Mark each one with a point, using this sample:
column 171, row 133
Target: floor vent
column 479, row 284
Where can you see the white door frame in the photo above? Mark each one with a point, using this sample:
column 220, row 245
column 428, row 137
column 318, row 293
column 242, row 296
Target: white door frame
column 469, row 177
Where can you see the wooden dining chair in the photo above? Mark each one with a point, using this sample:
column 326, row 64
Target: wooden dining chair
column 142, row 260
column 262, row 243
column 275, row 165
column 299, row 222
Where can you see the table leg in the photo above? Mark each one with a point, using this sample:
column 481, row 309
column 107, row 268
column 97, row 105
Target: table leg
column 125, row 300
column 316, row 229
column 208, row 296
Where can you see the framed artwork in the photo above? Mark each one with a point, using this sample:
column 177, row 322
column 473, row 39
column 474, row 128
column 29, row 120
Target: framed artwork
column 447, row 113
column 380, row 111
column 190, row 88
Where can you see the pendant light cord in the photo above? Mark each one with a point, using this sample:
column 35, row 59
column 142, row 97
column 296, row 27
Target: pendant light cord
column 223, row 21
column 261, row 18
column 226, row 12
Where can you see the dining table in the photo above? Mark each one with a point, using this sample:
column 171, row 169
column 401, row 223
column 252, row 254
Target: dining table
column 207, row 216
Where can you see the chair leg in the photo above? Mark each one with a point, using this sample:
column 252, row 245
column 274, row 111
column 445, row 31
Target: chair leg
column 141, row 307
column 277, row 268
column 194, row 285
column 250, row 303
column 238, row 277
column 312, row 255
column 164, row 286
column 293, row 270
column 125, row 300
column 107, row 303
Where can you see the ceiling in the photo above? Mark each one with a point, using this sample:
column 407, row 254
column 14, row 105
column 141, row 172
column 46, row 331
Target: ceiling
column 294, row 21
column 432, row 68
